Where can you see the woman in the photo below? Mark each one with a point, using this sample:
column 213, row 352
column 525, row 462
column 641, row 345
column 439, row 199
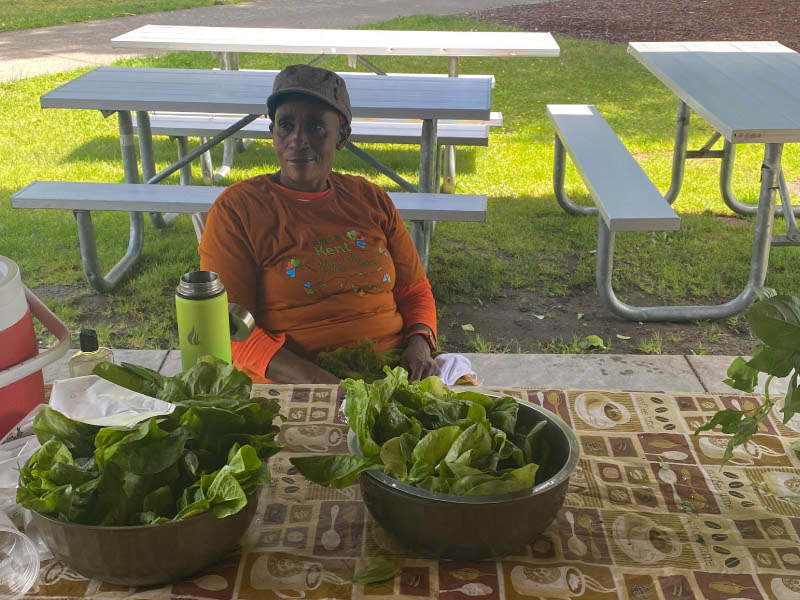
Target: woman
column 321, row 259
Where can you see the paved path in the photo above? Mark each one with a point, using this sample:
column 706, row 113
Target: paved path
column 30, row 52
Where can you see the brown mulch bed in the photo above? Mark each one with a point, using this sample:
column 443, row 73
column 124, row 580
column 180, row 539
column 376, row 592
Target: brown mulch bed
column 657, row 20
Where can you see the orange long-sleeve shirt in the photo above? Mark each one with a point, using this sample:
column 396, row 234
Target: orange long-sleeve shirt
column 316, row 273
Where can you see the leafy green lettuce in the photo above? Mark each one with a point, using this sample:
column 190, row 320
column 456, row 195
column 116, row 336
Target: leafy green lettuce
column 209, row 454
column 423, row 434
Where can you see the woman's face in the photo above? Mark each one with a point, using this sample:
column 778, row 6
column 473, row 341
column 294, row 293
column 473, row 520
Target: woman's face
column 306, row 134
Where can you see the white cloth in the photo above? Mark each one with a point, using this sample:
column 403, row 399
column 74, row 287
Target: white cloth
column 452, row 367
column 97, row 401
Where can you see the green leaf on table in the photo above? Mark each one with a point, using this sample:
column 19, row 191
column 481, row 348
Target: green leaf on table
column 210, row 453
column 433, row 386
column 791, row 403
column 159, row 502
column 776, row 322
column 440, row 412
column 334, row 470
column 477, row 414
column 195, row 508
column 503, row 414
column 746, row 428
column 475, row 439
column 49, row 424
column 473, row 397
column 392, row 456
column 530, row 441
column 742, row 376
column 390, row 423
column 729, row 419
column 143, row 450
column 517, row 480
column 433, row 447
column 361, row 413
column 379, row 569
column 139, row 379
column 225, row 494
column 212, row 376
column 773, row 361
column 459, row 470
column 796, row 445
column 420, row 471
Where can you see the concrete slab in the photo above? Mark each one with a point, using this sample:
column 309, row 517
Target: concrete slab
column 712, row 370
column 151, row 359
column 172, row 364
column 597, row 371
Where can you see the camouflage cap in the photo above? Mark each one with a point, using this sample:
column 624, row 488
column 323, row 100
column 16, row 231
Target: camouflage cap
column 311, row 81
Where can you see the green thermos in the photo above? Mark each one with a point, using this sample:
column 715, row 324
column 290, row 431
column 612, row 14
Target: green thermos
column 201, row 304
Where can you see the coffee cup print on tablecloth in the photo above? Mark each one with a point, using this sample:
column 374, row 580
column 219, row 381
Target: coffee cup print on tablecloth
column 554, row 582
column 643, row 540
column 745, row 455
column 783, row 484
column 289, row 576
column 785, row 588
column 794, row 422
column 599, row 411
column 312, row 438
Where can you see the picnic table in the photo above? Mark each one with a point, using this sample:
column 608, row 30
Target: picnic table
column 353, row 43
column 338, row 42
column 126, row 89
column 749, row 93
column 649, row 514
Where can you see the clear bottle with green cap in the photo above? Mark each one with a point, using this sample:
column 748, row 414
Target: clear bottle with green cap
column 90, row 354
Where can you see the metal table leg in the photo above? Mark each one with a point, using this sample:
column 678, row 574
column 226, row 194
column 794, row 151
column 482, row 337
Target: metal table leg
column 422, row 231
column 679, row 156
column 678, row 152
column 725, row 175
column 228, row 61
column 149, row 164
column 380, row 167
column 86, row 233
column 559, row 166
column 186, row 170
column 762, row 238
column 449, row 177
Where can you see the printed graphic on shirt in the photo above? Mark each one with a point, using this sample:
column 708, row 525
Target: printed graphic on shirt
column 344, row 262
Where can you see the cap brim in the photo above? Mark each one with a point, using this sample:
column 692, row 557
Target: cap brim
column 273, row 99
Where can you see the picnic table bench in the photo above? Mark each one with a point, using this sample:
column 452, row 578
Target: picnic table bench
column 748, row 92
column 181, row 126
column 84, row 197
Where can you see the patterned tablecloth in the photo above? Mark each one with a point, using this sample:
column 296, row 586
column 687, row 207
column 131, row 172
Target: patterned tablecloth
column 650, row 514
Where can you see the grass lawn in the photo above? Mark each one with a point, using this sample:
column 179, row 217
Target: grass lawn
column 25, row 14
column 528, row 243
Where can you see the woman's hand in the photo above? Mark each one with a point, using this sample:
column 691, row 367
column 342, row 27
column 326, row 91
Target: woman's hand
column 288, row 367
column 417, row 358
